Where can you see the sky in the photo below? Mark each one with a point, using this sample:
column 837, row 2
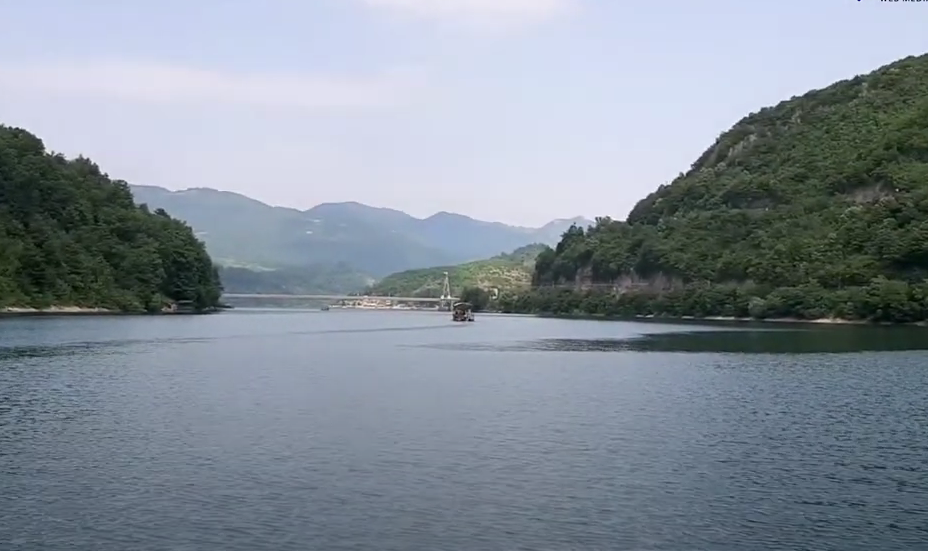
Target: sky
column 518, row 111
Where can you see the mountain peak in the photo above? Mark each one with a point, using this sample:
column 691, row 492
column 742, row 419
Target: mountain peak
column 573, row 220
column 375, row 240
column 445, row 215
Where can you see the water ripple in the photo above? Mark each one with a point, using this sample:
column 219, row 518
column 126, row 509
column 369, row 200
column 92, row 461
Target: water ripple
column 787, row 342
column 264, row 431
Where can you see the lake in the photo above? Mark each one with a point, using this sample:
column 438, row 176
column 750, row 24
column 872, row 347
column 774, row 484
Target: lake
column 372, row 430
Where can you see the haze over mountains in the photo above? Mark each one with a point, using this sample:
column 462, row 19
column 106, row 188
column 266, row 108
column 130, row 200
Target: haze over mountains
column 241, row 231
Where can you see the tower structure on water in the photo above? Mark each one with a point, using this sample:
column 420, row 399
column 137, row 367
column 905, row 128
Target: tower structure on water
column 446, row 297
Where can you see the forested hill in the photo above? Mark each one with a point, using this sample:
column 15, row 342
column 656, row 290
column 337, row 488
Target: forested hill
column 816, row 207
column 243, row 232
column 70, row 236
column 506, row 272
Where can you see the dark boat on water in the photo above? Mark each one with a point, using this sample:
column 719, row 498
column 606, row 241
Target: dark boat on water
column 462, row 311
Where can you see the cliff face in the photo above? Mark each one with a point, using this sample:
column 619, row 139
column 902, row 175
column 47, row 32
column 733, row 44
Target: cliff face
column 826, row 193
column 585, row 280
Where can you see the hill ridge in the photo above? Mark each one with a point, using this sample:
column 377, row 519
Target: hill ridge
column 354, row 203
column 242, row 231
column 815, row 207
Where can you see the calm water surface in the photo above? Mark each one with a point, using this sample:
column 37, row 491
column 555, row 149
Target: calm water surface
column 272, row 430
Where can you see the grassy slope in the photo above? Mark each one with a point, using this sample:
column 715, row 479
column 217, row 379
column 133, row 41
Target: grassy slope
column 505, row 272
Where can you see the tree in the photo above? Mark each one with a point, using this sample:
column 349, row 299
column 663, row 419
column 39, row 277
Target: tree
column 815, row 207
column 71, row 236
column 477, row 297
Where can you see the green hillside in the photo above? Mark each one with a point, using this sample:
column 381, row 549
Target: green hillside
column 243, row 232
column 816, row 207
column 508, row 271
column 336, row 279
column 71, row 237
column 524, row 255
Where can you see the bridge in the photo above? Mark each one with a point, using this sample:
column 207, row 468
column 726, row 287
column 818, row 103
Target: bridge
column 338, row 297
column 445, row 298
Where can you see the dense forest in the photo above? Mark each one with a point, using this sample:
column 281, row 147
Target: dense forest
column 814, row 208
column 70, row 236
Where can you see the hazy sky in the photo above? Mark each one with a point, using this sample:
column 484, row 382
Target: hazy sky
column 512, row 110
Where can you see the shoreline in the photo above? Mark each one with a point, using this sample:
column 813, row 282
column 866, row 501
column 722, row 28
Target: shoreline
column 27, row 311
column 817, row 321
column 55, row 310
column 728, row 319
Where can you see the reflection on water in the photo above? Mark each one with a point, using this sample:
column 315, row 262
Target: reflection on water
column 95, row 348
column 751, row 341
column 795, row 341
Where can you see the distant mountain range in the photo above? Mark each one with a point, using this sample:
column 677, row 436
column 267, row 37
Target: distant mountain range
column 241, row 231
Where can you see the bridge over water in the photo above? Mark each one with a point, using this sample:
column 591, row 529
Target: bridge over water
column 338, row 297
column 445, row 298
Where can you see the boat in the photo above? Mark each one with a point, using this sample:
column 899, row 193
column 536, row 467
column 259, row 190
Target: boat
column 325, row 308
column 462, row 311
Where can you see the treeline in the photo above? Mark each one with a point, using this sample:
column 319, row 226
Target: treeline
column 814, row 208
column 883, row 300
column 70, row 236
column 333, row 279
